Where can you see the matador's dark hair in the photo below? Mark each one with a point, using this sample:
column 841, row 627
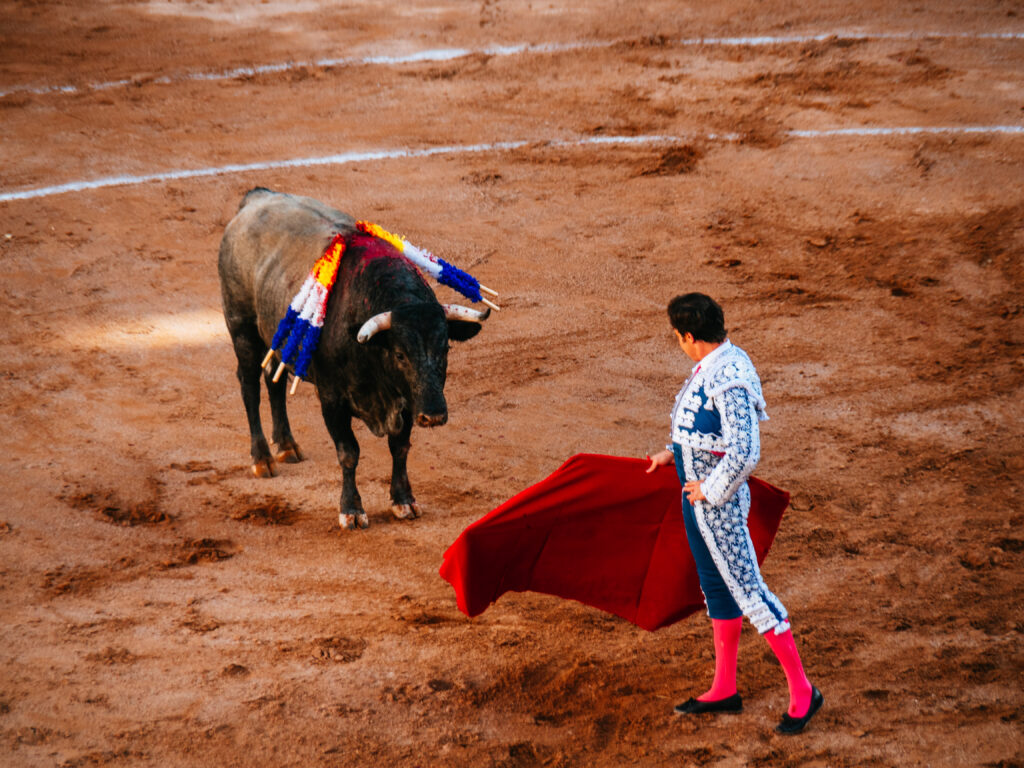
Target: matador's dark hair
column 698, row 314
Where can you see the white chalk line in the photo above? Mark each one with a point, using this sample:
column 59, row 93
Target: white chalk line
column 347, row 158
column 450, row 54
column 905, row 131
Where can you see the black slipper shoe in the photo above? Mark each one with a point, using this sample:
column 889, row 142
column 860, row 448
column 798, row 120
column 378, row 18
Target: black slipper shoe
column 732, row 703
column 796, row 724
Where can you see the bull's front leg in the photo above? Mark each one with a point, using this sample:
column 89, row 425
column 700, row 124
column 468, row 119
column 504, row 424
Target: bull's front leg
column 338, row 418
column 403, row 505
column 287, row 449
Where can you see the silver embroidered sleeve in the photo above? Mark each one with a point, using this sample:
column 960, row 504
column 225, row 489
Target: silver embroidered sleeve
column 742, row 435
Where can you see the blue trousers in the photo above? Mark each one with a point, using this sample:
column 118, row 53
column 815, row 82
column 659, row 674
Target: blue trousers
column 726, row 563
column 717, row 597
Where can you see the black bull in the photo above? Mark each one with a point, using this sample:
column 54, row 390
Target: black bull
column 390, row 379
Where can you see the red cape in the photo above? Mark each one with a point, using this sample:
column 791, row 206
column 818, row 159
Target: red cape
column 599, row 530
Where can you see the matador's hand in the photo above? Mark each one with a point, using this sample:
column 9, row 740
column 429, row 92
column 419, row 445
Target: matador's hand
column 693, row 491
column 660, row 459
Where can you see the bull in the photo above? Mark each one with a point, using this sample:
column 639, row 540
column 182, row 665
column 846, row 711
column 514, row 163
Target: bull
column 383, row 351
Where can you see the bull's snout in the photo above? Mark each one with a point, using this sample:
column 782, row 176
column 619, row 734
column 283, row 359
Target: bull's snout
column 432, row 419
column 430, row 407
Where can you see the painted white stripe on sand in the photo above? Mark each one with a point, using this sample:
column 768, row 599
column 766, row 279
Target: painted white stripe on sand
column 450, row 54
column 818, row 38
column 906, row 131
column 445, row 54
column 501, row 146
column 341, row 159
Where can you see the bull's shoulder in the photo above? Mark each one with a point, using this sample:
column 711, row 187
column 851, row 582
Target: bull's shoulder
column 263, row 208
column 253, row 194
column 340, row 220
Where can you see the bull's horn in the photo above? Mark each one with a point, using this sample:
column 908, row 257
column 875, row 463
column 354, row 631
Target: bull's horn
column 456, row 312
column 376, row 323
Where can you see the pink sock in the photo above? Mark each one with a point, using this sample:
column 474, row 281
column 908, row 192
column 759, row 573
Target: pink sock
column 799, row 686
column 727, row 644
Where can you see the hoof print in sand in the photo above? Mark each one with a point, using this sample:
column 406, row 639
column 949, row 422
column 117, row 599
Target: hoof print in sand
column 195, row 551
column 343, row 650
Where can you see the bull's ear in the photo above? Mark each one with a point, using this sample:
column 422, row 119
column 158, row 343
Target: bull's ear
column 462, row 330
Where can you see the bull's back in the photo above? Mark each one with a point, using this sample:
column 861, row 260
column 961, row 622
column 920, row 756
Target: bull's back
column 268, row 249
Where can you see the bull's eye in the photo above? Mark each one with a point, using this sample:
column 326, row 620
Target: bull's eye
column 399, row 355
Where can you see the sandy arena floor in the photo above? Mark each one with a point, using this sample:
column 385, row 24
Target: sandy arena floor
column 158, row 607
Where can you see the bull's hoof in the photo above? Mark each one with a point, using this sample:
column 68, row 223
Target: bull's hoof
column 264, row 468
column 350, row 521
column 406, row 511
column 289, row 455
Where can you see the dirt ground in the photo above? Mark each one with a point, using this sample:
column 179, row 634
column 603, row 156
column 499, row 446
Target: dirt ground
column 159, row 607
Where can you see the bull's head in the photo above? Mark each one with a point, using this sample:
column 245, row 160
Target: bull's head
column 415, row 340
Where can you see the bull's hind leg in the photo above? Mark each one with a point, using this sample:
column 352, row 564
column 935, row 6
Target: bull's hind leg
column 287, row 449
column 403, row 505
column 338, row 418
column 249, row 349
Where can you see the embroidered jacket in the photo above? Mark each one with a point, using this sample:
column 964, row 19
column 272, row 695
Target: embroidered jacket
column 718, row 410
